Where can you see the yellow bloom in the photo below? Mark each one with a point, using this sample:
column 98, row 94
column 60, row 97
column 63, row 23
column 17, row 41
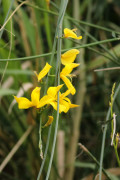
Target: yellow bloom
column 43, row 72
column 69, row 56
column 70, row 33
column 51, row 96
column 66, row 73
column 49, row 122
column 24, row 103
column 64, row 102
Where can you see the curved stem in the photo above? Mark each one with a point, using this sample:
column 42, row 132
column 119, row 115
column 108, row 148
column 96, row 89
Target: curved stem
column 45, row 154
column 60, row 20
column 76, row 47
column 104, row 136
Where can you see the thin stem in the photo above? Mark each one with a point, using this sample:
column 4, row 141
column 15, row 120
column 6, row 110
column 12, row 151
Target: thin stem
column 107, row 69
column 104, row 135
column 1, row 32
column 45, row 153
column 15, row 148
column 76, row 47
column 64, row 4
column 117, row 156
column 40, row 139
column 113, row 126
column 72, row 19
column 49, row 133
column 94, row 39
column 94, row 159
column 8, row 57
column 12, row 15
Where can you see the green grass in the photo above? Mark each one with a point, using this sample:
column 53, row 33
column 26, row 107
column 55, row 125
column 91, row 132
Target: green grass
column 33, row 36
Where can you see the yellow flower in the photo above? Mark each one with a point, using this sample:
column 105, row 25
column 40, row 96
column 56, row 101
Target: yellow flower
column 69, row 56
column 70, row 33
column 43, row 72
column 64, row 102
column 24, row 103
column 50, row 97
column 66, row 73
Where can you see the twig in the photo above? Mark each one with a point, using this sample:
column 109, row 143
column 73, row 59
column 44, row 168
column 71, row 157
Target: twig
column 94, row 159
column 114, row 128
column 107, row 69
column 12, row 15
column 15, row 148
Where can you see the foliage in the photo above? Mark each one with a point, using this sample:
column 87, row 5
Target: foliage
column 31, row 37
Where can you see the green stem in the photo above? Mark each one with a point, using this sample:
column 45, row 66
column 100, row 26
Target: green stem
column 104, row 135
column 113, row 123
column 116, row 153
column 76, row 47
column 64, row 5
column 49, row 133
column 40, row 139
column 45, row 153
column 74, row 20
column 94, row 159
column 1, row 32
column 94, row 39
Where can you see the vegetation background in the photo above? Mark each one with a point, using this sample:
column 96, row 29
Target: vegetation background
column 26, row 43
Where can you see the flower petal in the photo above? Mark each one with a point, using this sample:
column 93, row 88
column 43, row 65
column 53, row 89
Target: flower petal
column 23, row 103
column 69, row 56
column 68, row 68
column 49, row 122
column 54, row 104
column 73, row 105
column 43, row 72
column 67, row 100
column 62, row 107
column 65, row 106
column 35, row 96
column 52, row 91
column 45, row 100
column 68, row 84
column 63, row 95
column 70, row 33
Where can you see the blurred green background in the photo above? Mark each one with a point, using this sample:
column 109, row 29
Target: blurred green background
column 29, row 32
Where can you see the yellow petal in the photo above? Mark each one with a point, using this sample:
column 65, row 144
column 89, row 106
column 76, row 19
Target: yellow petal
column 69, row 56
column 63, row 95
column 67, row 99
column 70, row 33
column 68, row 84
column 73, row 105
column 44, row 71
column 62, row 107
column 45, row 100
column 54, row 104
column 68, row 68
column 23, row 103
column 52, row 91
column 49, row 122
column 35, row 96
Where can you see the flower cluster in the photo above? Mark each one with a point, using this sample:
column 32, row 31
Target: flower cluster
column 67, row 59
